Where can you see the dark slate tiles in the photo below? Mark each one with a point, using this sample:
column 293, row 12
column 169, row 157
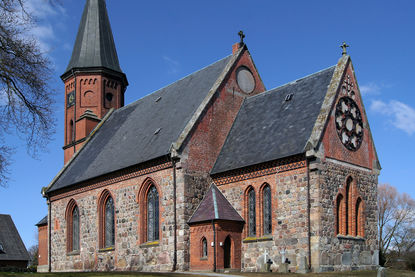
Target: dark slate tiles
column 268, row 127
column 94, row 44
column 215, row 206
column 129, row 136
column 12, row 245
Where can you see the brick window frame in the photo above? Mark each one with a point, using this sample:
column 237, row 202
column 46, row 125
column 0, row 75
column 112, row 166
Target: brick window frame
column 69, row 216
column 262, row 211
column 142, row 199
column 349, row 210
column 247, row 207
column 102, row 200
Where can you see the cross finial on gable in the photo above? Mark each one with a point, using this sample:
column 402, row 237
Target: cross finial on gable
column 344, row 47
column 242, row 36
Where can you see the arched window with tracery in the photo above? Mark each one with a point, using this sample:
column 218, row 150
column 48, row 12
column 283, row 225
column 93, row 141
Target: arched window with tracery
column 204, row 248
column 251, row 213
column 266, row 209
column 107, row 220
column 72, row 223
column 152, row 214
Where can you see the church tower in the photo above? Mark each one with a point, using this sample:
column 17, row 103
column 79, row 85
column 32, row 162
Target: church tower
column 94, row 81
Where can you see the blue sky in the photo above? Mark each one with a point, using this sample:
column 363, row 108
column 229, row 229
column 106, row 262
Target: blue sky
column 159, row 42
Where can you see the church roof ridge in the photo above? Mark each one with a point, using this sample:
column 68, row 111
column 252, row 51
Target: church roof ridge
column 272, row 90
column 94, row 44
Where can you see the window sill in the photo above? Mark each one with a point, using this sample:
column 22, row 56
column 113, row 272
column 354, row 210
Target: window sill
column 204, row 259
column 256, row 239
column 111, row 248
column 150, row 244
column 350, row 237
column 73, row 253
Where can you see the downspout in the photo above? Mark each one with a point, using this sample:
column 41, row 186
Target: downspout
column 49, row 235
column 214, row 245
column 308, row 215
column 175, row 216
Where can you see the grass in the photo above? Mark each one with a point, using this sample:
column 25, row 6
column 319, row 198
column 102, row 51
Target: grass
column 389, row 273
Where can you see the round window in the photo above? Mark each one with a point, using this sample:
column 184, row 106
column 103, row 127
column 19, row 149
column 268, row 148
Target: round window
column 349, row 123
column 245, row 79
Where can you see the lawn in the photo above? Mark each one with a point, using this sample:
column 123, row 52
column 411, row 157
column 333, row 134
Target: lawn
column 390, row 273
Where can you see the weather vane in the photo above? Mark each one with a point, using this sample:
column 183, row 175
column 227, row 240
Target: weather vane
column 242, row 36
column 344, row 47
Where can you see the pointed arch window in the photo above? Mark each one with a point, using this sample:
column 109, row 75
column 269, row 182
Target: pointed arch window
column 72, row 227
column 359, row 218
column 106, row 220
column 152, row 214
column 109, row 223
column 251, row 213
column 204, row 248
column 339, row 214
column 349, row 210
column 266, row 206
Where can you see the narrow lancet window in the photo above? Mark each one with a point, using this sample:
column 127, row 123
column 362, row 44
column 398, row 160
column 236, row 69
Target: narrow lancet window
column 109, row 223
column 152, row 214
column 75, row 229
column 251, row 214
column 267, row 210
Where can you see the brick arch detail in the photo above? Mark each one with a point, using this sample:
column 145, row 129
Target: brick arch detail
column 142, row 203
column 69, row 223
column 348, row 218
column 105, row 194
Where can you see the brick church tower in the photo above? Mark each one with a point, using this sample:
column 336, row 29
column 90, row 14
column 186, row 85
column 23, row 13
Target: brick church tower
column 94, row 81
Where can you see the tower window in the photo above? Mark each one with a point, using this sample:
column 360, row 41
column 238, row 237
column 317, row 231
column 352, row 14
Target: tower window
column 109, row 96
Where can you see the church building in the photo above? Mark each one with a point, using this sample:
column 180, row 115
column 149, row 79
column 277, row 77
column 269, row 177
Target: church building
column 212, row 172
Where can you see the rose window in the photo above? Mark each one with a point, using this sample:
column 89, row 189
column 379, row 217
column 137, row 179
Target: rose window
column 349, row 123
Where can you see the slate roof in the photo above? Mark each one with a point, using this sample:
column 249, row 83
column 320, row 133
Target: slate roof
column 43, row 221
column 268, row 128
column 215, row 206
column 11, row 245
column 143, row 130
column 94, row 44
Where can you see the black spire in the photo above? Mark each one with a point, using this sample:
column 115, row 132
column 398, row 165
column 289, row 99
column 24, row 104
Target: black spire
column 94, row 46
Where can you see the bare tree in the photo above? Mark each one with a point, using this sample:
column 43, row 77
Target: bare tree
column 396, row 220
column 26, row 99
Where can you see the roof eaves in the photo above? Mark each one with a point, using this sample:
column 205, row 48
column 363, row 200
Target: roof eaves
column 94, row 131
column 175, row 146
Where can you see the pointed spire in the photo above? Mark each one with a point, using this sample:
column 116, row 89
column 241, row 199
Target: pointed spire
column 94, row 45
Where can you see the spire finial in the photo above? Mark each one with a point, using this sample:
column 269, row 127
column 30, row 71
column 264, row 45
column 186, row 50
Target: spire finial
column 242, row 36
column 344, row 47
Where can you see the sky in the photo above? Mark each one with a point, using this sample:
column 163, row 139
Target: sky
column 159, row 42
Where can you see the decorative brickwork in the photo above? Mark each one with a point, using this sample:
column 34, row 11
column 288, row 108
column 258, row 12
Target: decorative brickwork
column 259, row 170
column 119, row 176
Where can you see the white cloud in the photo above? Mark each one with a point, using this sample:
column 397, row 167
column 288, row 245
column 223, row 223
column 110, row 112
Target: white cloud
column 172, row 64
column 370, row 88
column 44, row 12
column 401, row 115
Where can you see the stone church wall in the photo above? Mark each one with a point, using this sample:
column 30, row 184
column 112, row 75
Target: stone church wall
column 129, row 252
column 338, row 252
column 289, row 219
